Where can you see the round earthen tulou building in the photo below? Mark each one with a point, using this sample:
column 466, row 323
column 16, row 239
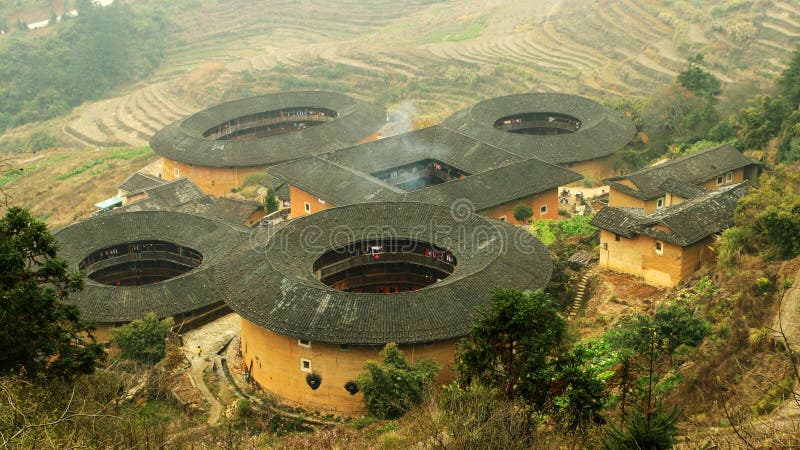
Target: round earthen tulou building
column 329, row 290
column 168, row 263
column 563, row 129
column 218, row 147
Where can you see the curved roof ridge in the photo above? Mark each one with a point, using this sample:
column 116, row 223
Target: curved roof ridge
column 183, row 139
column 278, row 290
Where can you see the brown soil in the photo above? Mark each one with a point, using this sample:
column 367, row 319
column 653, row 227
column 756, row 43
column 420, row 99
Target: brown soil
column 617, row 295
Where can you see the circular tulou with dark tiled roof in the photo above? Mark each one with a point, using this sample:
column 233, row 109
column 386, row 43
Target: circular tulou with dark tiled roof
column 433, row 273
column 139, row 262
column 556, row 128
column 268, row 129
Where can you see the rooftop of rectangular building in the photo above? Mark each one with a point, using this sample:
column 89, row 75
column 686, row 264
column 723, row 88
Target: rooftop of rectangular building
column 691, row 170
column 682, row 224
column 491, row 175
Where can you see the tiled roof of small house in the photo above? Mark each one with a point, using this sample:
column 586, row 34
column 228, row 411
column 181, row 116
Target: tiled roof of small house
column 685, row 223
column 175, row 193
column 277, row 289
column 682, row 190
column 183, row 140
column 691, row 170
column 139, row 182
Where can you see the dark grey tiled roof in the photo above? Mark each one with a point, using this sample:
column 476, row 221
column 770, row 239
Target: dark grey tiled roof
column 232, row 210
column 281, row 188
column 602, row 131
column 277, row 289
column 687, row 222
column 175, row 193
column 498, row 186
column 184, row 196
column 682, row 190
column 199, row 288
column 183, row 140
column 692, row 169
column 139, row 182
column 497, row 176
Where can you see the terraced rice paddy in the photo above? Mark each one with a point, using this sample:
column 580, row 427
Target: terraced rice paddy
column 442, row 56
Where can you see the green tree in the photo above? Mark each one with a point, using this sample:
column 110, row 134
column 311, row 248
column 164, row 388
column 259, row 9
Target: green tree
column 699, row 81
column 517, row 346
column 143, row 340
column 271, row 200
column 523, row 213
column 674, row 325
column 760, row 121
column 645, row 430
column 511, row 343
column 391, row 388
column 674, row 115
column 39, row 333
column 769, row 215
column 790, row 81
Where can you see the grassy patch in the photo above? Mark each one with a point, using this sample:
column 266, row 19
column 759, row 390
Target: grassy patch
column 119, row 153
column 470, row 32
column 12, row 175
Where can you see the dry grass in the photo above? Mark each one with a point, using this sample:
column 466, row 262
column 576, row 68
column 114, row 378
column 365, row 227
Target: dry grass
column 64, row 201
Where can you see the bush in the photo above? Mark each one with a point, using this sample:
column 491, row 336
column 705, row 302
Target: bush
column 244, row 408
column 143, row 340
column 523, row 213
column 391, row 388
column 253, row 179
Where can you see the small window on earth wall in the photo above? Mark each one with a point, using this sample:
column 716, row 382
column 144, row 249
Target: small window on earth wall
column 307, row 207
column 659, row 247
column 304, row 343
column 305, row 365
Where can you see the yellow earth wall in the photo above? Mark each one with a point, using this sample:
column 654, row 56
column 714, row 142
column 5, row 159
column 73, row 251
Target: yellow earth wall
column 595, row 170
column 215, row 181
column 737, row 177
column 298, row 198
column 536, row 201
column 275, row 364
column 637, row 256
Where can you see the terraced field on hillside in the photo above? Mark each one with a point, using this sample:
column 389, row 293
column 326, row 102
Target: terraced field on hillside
column 441, row 55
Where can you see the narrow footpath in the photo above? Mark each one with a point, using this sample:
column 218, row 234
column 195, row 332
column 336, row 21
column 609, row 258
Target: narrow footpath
column 210, row 339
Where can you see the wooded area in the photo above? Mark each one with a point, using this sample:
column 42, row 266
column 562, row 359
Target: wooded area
column 80, row 59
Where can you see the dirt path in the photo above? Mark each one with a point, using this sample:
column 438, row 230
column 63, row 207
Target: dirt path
column 210, row 339
column 790, row 313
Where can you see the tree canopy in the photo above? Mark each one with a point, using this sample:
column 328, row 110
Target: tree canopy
column 82, row 59
column 517, row 346
column 699, row 81
column 768, row 217
column 391, row 388
column 143, row 340
column 39, row 333
column 271, row 200
column 790, row 81
column 523, row 213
